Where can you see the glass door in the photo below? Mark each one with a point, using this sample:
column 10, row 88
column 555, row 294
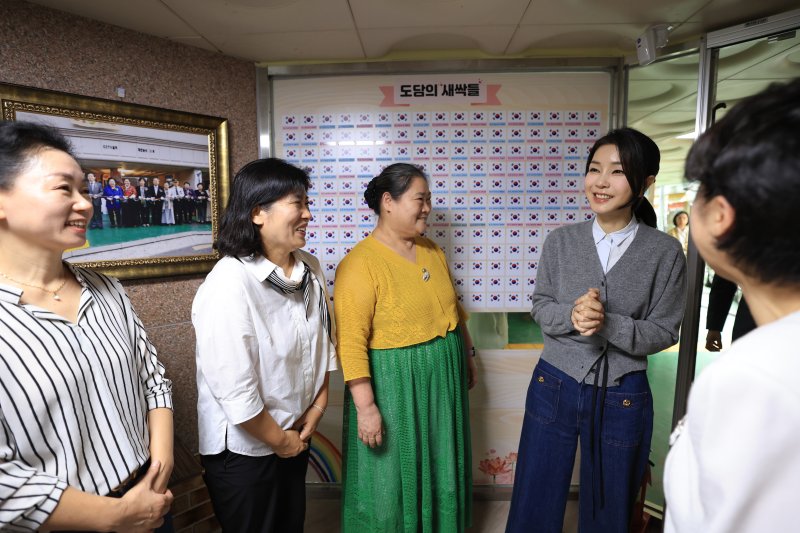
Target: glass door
column 734, row 63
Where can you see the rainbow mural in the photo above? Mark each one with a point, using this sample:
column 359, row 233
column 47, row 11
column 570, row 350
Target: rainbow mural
column 325, row 459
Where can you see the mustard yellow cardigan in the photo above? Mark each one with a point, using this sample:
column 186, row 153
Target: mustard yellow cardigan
column 382, row 300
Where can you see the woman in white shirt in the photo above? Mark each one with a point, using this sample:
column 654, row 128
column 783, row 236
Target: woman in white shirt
column 735, row 462
column 171, row 195
column 264, row 352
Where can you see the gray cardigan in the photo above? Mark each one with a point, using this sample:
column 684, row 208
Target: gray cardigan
column 643, row 295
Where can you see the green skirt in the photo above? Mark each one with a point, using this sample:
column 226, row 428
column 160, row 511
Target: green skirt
column 420, row 479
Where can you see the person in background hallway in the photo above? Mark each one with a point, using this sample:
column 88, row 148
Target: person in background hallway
column 130, row 204
column 157, row 195
column 201, row 202
column 145, row 205
column 85, row 409
column 407, row 361
column 264, row 352
column 609, row 293
column 95, row 191
column 720, row 299
column 179, row 203
column 170, row 199
column 113, row 195
column 680, row 229
column 188, row 202
column 735, row 460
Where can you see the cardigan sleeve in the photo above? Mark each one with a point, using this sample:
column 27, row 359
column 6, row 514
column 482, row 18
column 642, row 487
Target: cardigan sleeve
column 659, row 329
column 553, row 317
column 355, row 296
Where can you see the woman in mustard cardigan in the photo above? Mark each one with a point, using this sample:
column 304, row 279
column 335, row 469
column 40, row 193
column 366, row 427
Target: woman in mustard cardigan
column 405, row 353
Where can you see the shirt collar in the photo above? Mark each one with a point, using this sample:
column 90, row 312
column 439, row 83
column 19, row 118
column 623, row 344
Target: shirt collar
column 617, row 237
column 261, row 267
column 12, row 295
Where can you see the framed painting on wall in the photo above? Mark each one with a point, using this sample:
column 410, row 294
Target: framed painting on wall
column 160, row 178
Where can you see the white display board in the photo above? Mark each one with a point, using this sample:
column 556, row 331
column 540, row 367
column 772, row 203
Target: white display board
column 505, row 153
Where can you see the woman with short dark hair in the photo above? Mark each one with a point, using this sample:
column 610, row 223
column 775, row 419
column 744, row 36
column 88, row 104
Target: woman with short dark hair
column 735, row 461
column 113, row 195
column 406, row 356
column 680, row 229
column 264, row 351
column 85, row 409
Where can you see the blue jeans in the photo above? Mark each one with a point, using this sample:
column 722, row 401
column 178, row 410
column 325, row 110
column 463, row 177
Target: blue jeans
column 557, row 412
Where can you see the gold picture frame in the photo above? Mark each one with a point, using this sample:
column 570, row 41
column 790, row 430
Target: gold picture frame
column 117, row 139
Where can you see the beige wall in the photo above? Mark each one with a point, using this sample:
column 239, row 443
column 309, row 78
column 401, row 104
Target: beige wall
column 49, row 49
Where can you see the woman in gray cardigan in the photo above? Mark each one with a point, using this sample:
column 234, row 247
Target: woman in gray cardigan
column 609, row 292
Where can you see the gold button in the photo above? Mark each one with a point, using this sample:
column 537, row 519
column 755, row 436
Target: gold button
column 626, row 402
column 540, row 380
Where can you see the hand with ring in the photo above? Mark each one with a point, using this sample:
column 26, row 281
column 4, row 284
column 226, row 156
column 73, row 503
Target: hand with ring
column 370, row 426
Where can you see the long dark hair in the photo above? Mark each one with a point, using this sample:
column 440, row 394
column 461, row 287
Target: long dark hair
column 640, row 158
column 19, row 142
column 259, row 183
column 395, row 179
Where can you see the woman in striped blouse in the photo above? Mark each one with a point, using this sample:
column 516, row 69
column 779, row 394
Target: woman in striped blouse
column 84, row 405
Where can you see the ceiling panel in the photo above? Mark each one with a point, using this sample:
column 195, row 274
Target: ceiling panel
column 641, row 12
column 150, row 17
column 436, row 13
column 233, row 18
column 608, row 37
column 323, row 45
column 491, row 39
column 197, row 42
column 720, row 14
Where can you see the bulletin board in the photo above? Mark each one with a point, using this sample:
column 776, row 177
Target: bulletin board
column 505, row 154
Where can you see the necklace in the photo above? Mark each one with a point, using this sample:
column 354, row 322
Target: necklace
column 56, row 297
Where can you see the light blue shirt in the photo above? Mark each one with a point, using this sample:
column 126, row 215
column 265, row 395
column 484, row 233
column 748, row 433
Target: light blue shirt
column 611, row 246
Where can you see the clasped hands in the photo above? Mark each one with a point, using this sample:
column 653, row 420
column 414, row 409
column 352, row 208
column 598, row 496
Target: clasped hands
column 588, row 313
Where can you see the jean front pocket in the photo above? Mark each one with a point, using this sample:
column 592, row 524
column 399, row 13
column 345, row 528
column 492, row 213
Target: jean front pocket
column 543, row 392
column 624, row 417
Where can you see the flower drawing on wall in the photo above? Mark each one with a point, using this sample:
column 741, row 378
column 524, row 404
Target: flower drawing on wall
column 495, row 466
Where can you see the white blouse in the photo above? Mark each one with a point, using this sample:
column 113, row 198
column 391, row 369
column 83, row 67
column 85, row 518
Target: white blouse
column 735, row 462
column 256, row 350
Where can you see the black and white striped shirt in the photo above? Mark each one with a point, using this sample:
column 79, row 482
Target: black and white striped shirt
column 73, row 398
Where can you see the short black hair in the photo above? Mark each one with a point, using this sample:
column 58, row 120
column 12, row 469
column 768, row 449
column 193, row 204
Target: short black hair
column 751, row 157
column 675, row 218
column 19, row 142
column 394, row 179
column 640, row 158
column 259, row 183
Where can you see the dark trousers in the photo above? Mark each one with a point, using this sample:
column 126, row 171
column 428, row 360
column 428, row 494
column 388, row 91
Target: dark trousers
column 156, row 212
column 114, row 218
column 257, row 494
column 558, row 411
column 97, row 214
